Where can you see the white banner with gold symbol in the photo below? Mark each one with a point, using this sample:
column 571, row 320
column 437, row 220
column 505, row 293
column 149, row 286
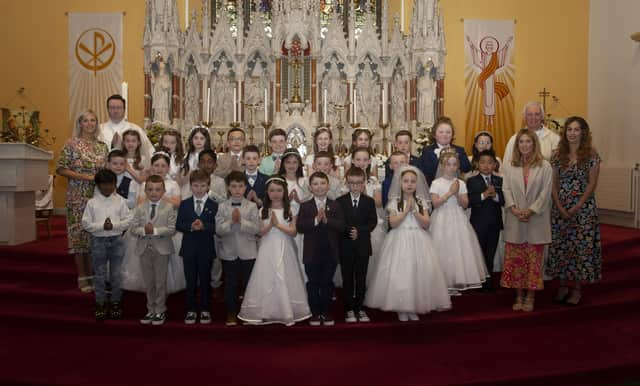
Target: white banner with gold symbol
column 489, row 80
column 95, row 61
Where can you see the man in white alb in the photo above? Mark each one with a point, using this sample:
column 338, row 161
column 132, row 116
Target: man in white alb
column 533, row 115
column 111, row 131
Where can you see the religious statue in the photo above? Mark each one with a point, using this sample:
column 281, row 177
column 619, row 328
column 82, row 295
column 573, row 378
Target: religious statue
column 336, row 93
column 368, row 103
column 191, row 98
column 426, row 99
column 221, row 95
column 254, row 88
column 161, row 93
column 397, row 100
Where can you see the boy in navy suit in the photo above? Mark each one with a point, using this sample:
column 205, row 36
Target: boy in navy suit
column 403, row 139
column 256, row 180
column 321, row 221
column 486, row 200
column 125, row 186
column 355, row 247
column 197, row 222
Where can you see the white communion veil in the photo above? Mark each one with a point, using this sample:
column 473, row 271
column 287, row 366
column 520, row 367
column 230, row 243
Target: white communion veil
column 422, row 188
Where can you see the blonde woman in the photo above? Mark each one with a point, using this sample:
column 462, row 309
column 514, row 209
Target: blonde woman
column 81, row 157
column 527, row 193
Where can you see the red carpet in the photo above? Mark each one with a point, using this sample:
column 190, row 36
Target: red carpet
column 48, row 336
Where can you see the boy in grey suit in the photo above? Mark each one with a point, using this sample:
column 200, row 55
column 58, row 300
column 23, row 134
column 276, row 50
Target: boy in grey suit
column 154, row 222
column 237, row 224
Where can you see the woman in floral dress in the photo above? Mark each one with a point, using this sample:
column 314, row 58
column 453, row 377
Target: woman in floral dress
column 575, row 253
column 81, row 157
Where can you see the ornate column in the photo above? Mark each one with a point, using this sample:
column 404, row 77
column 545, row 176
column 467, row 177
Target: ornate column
column 439, row 98
column 278, row 85
column 175, row 97
column 147, row 98
column 314, row 87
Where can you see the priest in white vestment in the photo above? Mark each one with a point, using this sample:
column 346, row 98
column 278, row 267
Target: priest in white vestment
column 111, row 131
column 534, row 116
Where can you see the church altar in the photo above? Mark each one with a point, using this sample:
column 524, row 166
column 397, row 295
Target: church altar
column 295, row 65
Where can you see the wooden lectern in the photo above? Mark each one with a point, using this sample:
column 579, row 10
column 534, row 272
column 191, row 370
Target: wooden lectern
column 23, row 170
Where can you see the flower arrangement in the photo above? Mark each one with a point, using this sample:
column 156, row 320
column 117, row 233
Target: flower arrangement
column 24, row 126
column 423, row 138
column 155, row 130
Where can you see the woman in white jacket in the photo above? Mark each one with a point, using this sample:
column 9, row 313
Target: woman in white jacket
column 527, row 193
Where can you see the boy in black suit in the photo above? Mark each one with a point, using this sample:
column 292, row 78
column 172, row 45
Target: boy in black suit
column 355, row 247
column 486, row 200
column 321, row 221
column 255, row 190
column 197, row 222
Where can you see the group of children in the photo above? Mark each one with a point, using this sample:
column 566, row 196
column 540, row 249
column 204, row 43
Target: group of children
column 167, row 223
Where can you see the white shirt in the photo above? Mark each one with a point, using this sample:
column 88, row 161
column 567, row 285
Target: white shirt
column 485, row 177
column 320, row 203
column 439, row 149
column 109, row 129
column 548, row 143
column 202, row 200
column 99, row 208
column 354, row 198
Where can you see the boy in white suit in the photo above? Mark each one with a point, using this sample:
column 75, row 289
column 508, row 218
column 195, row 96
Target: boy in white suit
column 154, row 222
column 237, row 224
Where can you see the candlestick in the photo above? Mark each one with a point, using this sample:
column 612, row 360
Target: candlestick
column 266, row 125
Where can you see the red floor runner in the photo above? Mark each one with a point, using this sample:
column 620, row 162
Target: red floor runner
column 48, row 336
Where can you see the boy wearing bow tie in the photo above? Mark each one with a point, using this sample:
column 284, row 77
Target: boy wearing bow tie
column 278, row 143
column 237, row 224
column 154, row 222
column 486, row 201
column 196, row 221
column 255, row 180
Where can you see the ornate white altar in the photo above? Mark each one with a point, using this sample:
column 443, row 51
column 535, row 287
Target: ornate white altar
column 295, row 64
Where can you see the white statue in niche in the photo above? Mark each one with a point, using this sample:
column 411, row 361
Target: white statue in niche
column 221, row 96
column 254, row 90
column 336, row 93
column 397, row 100
column 161, row 93
column 225, row 97
column 191, row 98
column 368, row 103
column 426, row 98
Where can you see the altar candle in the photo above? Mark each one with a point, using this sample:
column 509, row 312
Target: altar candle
column 186, row 14
column 324, row 105
column 207, row 116
column 384, row 104
column 402, row 15
column 355, row 107
column 125, row 94
column 235, row 108
column 266, row 105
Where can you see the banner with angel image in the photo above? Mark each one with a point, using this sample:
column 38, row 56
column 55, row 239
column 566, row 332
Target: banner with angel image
column 489, row 80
